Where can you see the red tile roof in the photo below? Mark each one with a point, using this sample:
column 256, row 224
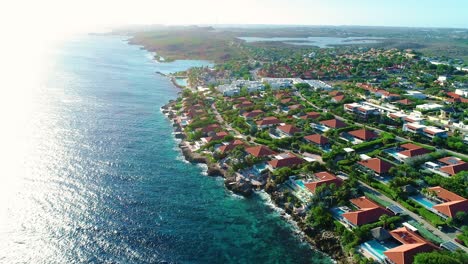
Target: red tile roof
column 260, row 151
column 317, row 139
column 338, row 98
column 253, row 113
column 453, row 202
column 334, row 123
column 289, row 129
column 244, row 104
column 404, row 102
column 363, row 134
column 286, row 162
column 454, row 169
column 230, row 146
column 217, row 136
column 410, row 146
column 335, row 93
column 412, row 245
column 211, row 128
column 368, row 211
column 286, row 100
column 414, row 152
column 323, row 178
column 451, row 160
column 311, row 115
column 377, row 165
column 268, row 121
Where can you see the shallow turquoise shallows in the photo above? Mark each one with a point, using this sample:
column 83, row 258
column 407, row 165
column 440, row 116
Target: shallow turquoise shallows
column 105, row 181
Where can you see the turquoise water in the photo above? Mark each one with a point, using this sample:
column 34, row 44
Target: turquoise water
column 181, row 81
column 377, row 249
column 104, row 180
column 423, row 201
column 300, row 183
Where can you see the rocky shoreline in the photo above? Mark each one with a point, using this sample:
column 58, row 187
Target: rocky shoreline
column 322, row 240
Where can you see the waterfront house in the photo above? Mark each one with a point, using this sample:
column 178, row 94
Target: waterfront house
column 287, row 159
column 268, row 122
column 412, row 244
column 322, row 178
column 368, row 212
column 230, row 146
column 377, row 166
column 260, row 151
column 451, row 202
column 317, row 139
column 217, row 136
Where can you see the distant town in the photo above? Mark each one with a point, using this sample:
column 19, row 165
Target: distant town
column 366, row 148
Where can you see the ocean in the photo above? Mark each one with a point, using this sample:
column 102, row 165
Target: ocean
column 104, row 180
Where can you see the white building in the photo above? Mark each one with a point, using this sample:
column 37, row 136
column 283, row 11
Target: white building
column 416, row 94
column 429, row 107
column 229, row 90
column 319, row 85
column 278, row 83
column 462, row 92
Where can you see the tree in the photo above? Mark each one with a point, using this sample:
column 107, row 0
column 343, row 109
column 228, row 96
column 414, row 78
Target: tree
column 384, row 219
column 440, row 257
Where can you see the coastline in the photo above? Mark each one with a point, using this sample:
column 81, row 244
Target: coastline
column 321, row 240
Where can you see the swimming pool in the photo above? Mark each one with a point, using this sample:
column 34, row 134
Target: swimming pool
column 423, row 201
column 377, row 249
column 337, row 212
column 260, row 167
column 300, row 183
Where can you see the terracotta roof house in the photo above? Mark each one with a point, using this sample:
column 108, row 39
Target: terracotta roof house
column 317, row 139
column 260, row 151
column 412, row 244
column 412, row 150
column 288, row 130
column 311, row 115
column 244, row 104
column 322, row 179
column 368, row 212
column 286, row 100
column 363, row 134
column 333, row 123
column 295, row 107
column 338, row 98
column 335, row 93
column 252, row 114
column 217, row 136
column 404, row 102
column 230, row 146
column 452, row 204
column 210, row 128
column 284, row 160
column 454, row 165
column 268, row 121
column 378, row 166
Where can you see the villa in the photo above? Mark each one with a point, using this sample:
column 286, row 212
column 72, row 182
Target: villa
column 451, row 202
column 217, row 136
column 368, row 212
column 411, row 150
column 287, row 130
column 412, row 244
column 360, row 109
column 317, row 140
column 361, row 135
column 232, row 145
column 260, row 151
column 322, row 178
column 310, row 115
column 333, row 123
column 252, row 114
column 377, row 166
column 453, row 165
column 284, row 160
column 268, row 122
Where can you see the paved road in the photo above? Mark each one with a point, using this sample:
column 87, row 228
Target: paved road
column 416, row 217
